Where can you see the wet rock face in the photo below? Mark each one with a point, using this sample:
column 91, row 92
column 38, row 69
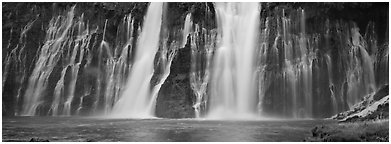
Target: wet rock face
column 175, row 96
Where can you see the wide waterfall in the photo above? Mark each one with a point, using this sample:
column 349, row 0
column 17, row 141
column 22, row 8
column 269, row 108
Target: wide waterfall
column 232, row 87
column 195, row 71
column 181, row 60
column 285, row 74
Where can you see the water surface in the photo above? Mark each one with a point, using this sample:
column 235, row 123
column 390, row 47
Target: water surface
column 152, row 130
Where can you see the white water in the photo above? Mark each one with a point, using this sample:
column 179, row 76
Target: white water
column 115, row 66
column 201, row 57
column 331, row 85
column 298, row 67
column 80, row 46
column 361, row 77
column 56, row 40
column 232, row 85
column 134, row 101
column 19, row 63
column 203, row 43
column 186, row 29
column 228, row 79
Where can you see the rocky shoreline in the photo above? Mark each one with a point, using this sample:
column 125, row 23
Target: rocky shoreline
column 367, row 121
column 367, row 131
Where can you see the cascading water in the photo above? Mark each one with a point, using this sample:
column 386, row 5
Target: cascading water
column 331, row 84
column 232, row 83
column 56, row 40
column 285, row 71
column 283, row 64
column 298, row 67
column 202, row 44
column 72, row 44
column 133, row 102
column 81, row 43
column 361, row 78
column 165, row 59
column 186, row 29
column 116, row 66
column 201, row 57
column 20, row 68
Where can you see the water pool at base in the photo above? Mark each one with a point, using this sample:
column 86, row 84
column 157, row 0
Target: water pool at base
column 154, row 130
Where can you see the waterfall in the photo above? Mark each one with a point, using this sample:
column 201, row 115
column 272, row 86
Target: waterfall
column 133, row 102
column 202, row 45
column 81, row 100
column 288, row 71
column 16, row 60
column 229, row 62
column 186, row 29
column 233, row 68
column 69, row 51
column 56, row 40
column 331, row 84
column 297, row 71
column 81, row 45
column 361, row 78
column 116, row 65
